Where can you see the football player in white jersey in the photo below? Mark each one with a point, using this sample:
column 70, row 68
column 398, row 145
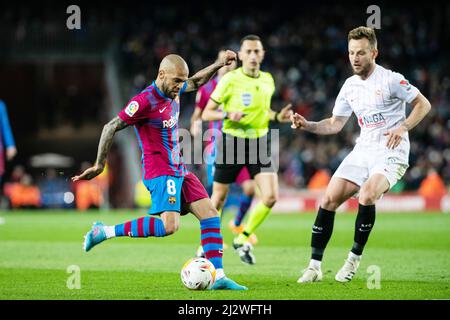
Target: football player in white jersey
column 379, row 159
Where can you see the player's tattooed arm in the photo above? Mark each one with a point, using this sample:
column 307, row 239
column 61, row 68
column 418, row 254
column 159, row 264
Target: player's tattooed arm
column 104, row 145
column 324, row 127
column 106, row 139
column 202, row 76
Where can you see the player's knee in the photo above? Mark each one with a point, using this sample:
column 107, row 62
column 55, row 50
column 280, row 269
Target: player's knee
column 367, row 196
column 218, row 197
column 218, row 202
column 219, row 192
column 211, row 213
column 270, row 200
column 329, row 202
column 222, row 195
column 248, row 189
column 171, row 228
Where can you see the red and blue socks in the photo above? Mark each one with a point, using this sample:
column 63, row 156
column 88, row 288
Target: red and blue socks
column 212, row 242
column 147, row 226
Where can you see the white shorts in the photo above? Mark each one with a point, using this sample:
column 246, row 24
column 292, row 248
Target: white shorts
column 359, row 165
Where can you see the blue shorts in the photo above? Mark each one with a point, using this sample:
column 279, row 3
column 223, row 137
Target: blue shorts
column 173, row 193
column 165, row 192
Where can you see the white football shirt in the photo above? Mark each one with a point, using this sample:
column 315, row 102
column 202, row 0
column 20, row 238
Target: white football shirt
column 379, row 103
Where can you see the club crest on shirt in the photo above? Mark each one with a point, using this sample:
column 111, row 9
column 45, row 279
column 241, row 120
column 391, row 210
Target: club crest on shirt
column 132, row 107
column 246, row 99
column 405, row 84
column 172, row 200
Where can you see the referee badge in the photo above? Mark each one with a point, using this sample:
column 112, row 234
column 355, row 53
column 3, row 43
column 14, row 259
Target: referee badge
column 246, row 99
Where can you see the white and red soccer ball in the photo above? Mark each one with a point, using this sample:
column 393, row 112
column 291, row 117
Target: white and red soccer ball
column 198, row 274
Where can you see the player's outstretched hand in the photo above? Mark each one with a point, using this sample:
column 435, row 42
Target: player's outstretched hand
column 298, row 121
column 285, row 114
column 228, row 58
column 395, row 137
column 89, row 173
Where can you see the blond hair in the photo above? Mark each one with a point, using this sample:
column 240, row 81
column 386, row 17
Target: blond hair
column 364, row 32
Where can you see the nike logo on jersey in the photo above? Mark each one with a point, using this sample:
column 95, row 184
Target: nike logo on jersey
column 162, row 110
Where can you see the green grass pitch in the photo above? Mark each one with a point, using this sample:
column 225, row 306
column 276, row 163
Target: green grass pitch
column 412, row 252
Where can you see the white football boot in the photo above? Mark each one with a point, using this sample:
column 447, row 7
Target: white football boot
column 348, row 271
column 311, row 274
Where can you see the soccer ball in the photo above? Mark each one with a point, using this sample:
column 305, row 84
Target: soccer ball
column 198, row 274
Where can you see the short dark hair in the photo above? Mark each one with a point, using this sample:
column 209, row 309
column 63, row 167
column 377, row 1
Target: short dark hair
column 364, row 32
column 252, row 37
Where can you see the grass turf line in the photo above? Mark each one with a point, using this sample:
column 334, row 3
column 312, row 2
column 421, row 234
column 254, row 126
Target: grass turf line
column 36, row 248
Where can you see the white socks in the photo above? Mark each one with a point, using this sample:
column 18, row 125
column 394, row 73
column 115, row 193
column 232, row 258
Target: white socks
column 110, row 231
column 352, row 256
column 315, row 264
column 219, row 274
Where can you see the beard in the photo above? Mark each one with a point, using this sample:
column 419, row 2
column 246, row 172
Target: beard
column 364, row 71
column 168, row 91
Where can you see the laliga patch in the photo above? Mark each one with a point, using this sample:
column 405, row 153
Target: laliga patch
column 246, row 99
column 132, row 107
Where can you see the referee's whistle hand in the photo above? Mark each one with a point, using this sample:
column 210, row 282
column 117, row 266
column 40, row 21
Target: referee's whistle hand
column 285, row 114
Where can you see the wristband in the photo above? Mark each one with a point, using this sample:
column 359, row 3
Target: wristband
column 276, row 118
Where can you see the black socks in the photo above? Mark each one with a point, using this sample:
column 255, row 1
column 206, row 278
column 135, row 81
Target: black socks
column 323, row 228
column 321, row 232
column 363, row 225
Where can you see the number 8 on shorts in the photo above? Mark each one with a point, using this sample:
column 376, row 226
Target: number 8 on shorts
column 165, row 192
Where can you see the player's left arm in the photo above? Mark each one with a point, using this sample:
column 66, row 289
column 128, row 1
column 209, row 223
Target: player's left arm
column 421, row 106
column 282, row 116
column 202, row 76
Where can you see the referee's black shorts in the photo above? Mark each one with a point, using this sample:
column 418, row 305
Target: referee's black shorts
column 234, row 153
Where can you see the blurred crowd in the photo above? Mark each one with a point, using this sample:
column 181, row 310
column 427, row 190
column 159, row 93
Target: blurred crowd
column 50, row 190
column 306, row 52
